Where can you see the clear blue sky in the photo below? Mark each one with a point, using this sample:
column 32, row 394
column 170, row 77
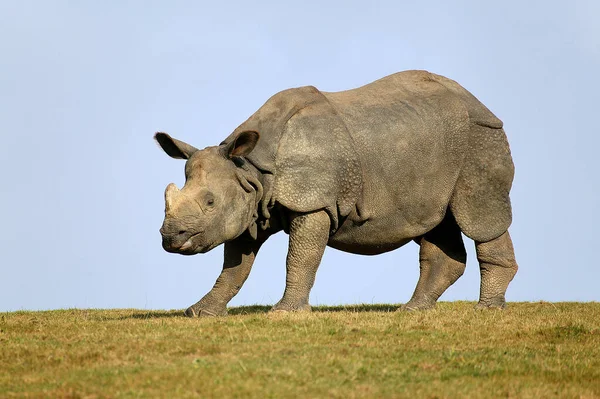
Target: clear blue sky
column 84, row 85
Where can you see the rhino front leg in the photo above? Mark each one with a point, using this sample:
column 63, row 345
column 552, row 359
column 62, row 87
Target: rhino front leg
column 498, row 267
column 442, row 259
column 309, row 234
column 239, row 257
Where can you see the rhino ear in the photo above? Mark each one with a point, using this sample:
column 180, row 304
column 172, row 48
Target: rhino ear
column 242, row 145
column 174, row 148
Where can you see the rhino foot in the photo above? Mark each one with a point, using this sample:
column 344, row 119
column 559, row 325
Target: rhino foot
column 415, row 306
column 198, row 311
column 285, row 307
column 492, row 303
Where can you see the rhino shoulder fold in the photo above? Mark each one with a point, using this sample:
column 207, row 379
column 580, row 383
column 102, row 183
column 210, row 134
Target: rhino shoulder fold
column 305, row 153
column 318, row 166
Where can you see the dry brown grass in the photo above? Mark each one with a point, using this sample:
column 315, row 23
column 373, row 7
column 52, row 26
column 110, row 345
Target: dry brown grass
column 531, row 350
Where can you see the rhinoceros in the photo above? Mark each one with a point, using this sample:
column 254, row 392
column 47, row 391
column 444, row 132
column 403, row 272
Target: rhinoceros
column 412, row 156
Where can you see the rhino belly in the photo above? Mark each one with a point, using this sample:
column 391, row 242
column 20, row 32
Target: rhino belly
column 370, row 238
column 391, row 218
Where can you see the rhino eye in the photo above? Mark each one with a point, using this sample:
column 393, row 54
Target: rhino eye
column 209, row 199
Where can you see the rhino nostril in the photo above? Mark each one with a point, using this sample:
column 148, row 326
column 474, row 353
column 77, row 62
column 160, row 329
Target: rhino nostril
column 182, row 232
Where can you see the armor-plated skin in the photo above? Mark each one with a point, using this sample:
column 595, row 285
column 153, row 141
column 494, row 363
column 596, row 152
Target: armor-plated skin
column 412, row 156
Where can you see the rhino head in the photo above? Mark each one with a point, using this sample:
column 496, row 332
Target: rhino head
column 219, row 199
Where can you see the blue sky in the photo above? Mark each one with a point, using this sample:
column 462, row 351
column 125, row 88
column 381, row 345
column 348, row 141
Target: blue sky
column 84, row 85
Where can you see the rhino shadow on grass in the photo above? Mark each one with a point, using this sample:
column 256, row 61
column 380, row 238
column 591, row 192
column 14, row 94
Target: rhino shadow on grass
column 152, row 314
column 262, row 309
column 254, row 309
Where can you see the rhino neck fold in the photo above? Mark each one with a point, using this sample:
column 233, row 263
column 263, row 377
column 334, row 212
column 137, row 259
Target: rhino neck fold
column 252, row 179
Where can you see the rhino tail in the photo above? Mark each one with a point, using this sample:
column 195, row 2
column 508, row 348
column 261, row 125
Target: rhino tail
column 480, row 202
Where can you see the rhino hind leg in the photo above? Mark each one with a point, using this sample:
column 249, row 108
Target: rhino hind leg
column 498, row 267
column 442, row 259
column 481, row 205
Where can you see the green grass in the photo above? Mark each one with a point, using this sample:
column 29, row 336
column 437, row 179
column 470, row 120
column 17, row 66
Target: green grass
column 530, row 350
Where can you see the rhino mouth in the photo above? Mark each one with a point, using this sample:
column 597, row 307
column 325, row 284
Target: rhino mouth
column 191, row 246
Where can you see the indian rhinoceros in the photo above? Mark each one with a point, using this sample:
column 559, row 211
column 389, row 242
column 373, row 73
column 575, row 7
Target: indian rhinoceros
column 412, row 156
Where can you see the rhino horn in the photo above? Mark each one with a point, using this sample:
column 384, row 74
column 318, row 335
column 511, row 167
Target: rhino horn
column 170, row 194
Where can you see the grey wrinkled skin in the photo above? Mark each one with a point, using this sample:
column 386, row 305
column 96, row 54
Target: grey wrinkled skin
column 412, row 156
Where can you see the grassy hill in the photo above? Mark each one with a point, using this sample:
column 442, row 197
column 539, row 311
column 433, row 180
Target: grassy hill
column 530, row 350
